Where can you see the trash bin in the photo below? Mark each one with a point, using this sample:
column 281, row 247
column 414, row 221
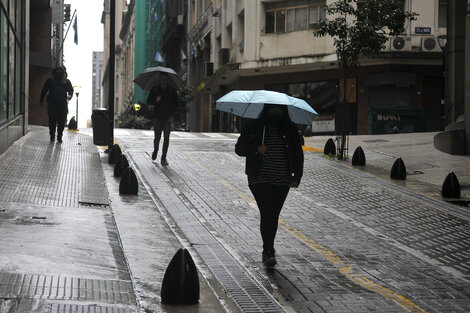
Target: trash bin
column 100, row 122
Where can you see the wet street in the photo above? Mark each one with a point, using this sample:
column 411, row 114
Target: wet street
column 347, row 241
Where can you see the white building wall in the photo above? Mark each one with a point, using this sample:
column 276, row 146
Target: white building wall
column 243, row 21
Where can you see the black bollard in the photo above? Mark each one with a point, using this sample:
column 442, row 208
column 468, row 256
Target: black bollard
column 114, row 154
column 398, row 170
column 308, row 131
column 181, row 282
column 120, row 165
column 451, row 186
column 128, row 184
column 359, row 158
column 330, row 147
column 72, row 124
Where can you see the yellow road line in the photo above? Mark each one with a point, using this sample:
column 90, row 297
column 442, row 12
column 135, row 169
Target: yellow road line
column 347, row 270
column 307, row 148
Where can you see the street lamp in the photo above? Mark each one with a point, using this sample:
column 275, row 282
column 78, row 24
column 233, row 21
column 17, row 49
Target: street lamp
column 77, row 92
column 442, row 40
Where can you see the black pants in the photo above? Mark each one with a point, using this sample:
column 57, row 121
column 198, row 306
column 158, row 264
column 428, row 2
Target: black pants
column 160, row 126
column 59, row 120
column 270, row 199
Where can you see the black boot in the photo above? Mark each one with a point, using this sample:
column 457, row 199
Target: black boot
column 269, row 258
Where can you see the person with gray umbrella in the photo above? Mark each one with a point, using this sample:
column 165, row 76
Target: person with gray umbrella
column 164, row 99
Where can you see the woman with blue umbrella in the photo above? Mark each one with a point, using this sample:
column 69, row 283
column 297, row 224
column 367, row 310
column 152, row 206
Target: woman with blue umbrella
column 274, row 164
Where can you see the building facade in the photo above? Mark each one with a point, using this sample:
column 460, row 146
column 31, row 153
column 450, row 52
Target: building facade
column 14, row 46
column 455, row 139
column 270, row 45
column 148, row 23
column 97, row 75
column 138, row 46
column 120, row 9
column 127, row 35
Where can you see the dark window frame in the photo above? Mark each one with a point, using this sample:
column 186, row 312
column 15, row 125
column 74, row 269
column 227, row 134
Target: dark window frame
column 272, row 25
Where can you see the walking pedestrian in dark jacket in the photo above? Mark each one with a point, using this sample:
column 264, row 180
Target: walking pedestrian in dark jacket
column 165, row 100
column 274, row 163
column 59, row 90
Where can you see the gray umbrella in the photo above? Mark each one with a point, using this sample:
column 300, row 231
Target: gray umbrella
column 150, row 77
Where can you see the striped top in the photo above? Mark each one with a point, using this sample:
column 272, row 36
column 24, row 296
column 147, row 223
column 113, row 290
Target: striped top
column 274, row 169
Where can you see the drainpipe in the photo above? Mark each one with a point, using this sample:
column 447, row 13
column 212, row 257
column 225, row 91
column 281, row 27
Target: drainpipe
column 112, row 53
column 467, row 80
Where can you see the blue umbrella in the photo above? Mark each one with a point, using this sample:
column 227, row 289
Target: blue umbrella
column 250, row 104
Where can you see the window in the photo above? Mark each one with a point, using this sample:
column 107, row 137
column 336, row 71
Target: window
column 301, row 18
column 313, row 16
column 297, row 90
column 18, row 81
column 11, row 74
column 269, row 28
column 11, row 50
column 3, row 66
column 316, row 13
column 280, row 21
column 290, row 21
column 322, row 96
column 442, row 14
column 322, row 12
column 282, row 18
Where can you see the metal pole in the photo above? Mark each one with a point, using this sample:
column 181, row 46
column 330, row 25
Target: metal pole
column 63, row 39
column 76, row 111
column 112, row 44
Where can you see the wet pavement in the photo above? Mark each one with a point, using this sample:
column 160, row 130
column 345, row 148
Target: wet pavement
column 59, row 244
column 350, row 239
column 426, row 166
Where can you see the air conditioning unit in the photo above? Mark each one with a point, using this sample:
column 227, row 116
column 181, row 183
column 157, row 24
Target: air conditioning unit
column 401, row 43
column 430, row 44
column 224, row 56
column 208, row 69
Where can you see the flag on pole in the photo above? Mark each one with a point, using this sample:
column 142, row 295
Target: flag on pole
column 75, row 28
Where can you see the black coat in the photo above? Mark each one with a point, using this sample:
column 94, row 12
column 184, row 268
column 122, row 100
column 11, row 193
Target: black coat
column 167, row 104
column 251, row 137
column 57, row 91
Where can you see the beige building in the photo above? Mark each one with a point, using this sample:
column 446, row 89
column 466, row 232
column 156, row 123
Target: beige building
column 121, row 9
column 126, row 62
column 248, row 44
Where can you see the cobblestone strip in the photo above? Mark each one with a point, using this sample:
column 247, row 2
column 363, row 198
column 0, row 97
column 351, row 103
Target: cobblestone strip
column 65, row 288
column 67, row 308
column 247, row 294
column 372, row 255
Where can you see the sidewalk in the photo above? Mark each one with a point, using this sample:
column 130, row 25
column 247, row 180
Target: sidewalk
column 426, row 166
column 62, row 234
